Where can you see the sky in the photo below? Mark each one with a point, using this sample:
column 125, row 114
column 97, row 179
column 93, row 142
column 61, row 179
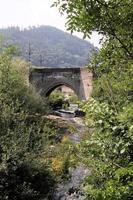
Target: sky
column 25, row 13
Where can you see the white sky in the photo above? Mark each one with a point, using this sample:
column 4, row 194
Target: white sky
column 24, row 13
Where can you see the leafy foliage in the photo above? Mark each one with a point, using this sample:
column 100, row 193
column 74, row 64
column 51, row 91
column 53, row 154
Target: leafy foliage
column 110, row 144
column 56, row 99
column 14, row 86
column 31, row 159
column 112, row 18
column 23, row 134
column 108, row 149
column 113, row 73
column 110, row 152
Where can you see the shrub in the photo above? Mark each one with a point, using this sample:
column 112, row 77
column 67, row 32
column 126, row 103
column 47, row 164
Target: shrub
column 108, row 151
column 23, row 135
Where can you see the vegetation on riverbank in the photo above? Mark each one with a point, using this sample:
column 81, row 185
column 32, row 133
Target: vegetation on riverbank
column 108, row 151
column 31, row 160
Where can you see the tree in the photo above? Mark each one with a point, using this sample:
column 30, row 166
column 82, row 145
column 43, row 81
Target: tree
column 112, row 18
column 112, row 76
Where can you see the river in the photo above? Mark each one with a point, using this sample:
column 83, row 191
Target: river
column 69, row 190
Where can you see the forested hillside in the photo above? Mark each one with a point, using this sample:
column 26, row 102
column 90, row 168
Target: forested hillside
column 49, row 46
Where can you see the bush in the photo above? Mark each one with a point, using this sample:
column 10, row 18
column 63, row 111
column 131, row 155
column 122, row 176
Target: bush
column 108, row 151
column 23, row 135
column 57, row 100
column 14, row 86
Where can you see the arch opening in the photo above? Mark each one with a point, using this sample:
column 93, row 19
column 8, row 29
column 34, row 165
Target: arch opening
column 60, row 86
column 61, row 96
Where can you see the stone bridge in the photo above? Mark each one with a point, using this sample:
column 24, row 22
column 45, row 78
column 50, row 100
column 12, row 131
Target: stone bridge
column 47, row 79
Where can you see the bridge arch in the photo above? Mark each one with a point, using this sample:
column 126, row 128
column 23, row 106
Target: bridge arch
column 52, row 87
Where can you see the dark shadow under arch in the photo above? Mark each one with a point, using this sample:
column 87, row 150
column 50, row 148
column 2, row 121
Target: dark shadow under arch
column 54, row 86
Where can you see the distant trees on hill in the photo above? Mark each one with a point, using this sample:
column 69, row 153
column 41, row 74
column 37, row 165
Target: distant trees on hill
column 49, row 46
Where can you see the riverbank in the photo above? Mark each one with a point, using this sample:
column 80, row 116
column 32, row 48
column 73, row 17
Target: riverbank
column 69, row 189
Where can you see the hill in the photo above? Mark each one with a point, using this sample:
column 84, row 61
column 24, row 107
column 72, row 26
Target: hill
column 49, row 46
